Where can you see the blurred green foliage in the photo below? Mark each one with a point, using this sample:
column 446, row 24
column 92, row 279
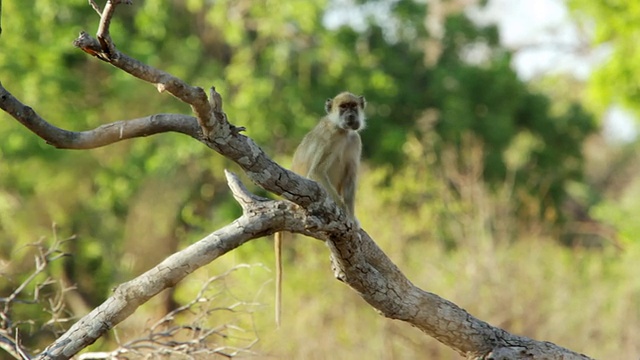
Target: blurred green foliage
column 133, row 203
column 612, row 26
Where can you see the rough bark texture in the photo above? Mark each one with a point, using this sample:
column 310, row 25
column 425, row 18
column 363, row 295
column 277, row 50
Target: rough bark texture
column 356, row 259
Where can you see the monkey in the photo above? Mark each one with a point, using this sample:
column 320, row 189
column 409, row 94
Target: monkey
column 329, row 154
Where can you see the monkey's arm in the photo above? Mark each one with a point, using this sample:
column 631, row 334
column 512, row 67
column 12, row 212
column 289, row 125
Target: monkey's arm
column 317, row 158
column 321, row 175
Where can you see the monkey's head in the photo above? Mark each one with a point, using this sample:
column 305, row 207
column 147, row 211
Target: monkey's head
column 347, row 111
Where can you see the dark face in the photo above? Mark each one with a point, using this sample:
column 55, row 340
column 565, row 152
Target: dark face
column 349, row 113
column 347, row 110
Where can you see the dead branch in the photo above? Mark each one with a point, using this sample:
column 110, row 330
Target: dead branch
column 357, row 261
column 12, row 345
column 104, row 49
column 192, row 337
column 260, row 218
column 95, row 7
column 226, row 140
column 10, row 340
column 101, row 136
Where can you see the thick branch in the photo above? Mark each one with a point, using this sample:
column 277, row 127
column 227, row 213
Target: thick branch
column 101, row 136
column 218, row 133
column 227, row 141
column 360, row 263
column 261, row 217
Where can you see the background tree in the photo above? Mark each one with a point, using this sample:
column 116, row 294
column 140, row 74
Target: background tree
column 612, row 91
column 613, row 26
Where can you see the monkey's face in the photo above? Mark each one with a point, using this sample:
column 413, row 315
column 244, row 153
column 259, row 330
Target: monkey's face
column 347, row 111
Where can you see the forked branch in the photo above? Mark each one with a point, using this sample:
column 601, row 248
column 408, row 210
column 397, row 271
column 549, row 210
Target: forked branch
column 98, row 137
column 260, row 217
column 104, row 49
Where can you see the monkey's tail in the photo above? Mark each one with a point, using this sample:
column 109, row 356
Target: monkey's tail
column 277, row 244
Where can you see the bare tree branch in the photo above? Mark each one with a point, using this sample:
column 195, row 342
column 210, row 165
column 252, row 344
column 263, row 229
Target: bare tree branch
column 186, row 330
column 101, row 136
column 106, row 51
column 357, row 261
column 12, row 346
column 261, row 217
column 105, row 21
column 9, row 328
column 226, row 140
column 95, row 7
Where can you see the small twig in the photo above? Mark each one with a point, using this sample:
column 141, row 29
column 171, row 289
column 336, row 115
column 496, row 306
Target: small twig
column 95, row 7
column 106, row 45
column 168, row 336
column 41, row 264
column 215, row 100
column 19, row 349
column 108, row 49
column 240, row 192
column 163, row 81
column 11, row 345
column 9, row 330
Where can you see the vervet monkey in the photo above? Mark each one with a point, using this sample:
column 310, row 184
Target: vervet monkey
column 330, row 155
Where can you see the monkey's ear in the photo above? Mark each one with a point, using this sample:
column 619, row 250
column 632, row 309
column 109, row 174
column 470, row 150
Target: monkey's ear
column 327, row 105
column 363, row 102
